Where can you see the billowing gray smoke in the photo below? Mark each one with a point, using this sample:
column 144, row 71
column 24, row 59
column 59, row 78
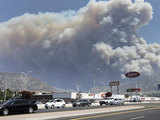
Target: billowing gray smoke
column 99, row 41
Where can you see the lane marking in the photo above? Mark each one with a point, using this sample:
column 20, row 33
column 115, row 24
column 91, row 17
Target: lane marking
column 111, row 114
column 140, row 117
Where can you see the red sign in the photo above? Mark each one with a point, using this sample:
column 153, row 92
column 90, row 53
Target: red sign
column 132, row 74
column 108, row 94
column 105, row 95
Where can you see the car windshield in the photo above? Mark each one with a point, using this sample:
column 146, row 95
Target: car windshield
column 83, row 100
column 109, row 98
column 58, row 100
column 8, row 102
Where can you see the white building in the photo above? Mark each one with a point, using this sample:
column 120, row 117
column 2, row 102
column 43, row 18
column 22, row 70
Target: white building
column 101, row 95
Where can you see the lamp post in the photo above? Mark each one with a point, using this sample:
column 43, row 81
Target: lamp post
column 5, row 89
column 4, row 83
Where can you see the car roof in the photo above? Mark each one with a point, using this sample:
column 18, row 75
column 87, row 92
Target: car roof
column 58, row 99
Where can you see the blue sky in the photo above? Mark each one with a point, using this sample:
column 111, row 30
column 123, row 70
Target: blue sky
column 12, row 8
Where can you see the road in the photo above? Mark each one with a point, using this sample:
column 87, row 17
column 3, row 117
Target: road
column 150, row 113
column 91, row 107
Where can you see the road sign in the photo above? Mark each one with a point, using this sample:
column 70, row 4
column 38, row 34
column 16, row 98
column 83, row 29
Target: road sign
column 132, row 74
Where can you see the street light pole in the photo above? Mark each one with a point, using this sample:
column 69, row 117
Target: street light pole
column 5, row 88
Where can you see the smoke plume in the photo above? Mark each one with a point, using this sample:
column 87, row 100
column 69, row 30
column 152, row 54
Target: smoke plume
column 98, row 42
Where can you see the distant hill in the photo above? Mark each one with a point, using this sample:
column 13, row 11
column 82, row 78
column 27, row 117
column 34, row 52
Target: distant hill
column 19, row 81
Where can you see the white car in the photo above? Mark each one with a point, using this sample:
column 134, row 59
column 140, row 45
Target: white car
column 95, row 103
column 57, row 103
column 117, row 101
column 40, row 105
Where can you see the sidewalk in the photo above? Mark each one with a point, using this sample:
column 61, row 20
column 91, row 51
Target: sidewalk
column 54, row 115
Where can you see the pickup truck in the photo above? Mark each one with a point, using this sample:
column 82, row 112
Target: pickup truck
column 106, row 101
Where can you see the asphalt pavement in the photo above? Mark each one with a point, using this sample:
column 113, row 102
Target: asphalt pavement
column 91, row 107
column 150, row 112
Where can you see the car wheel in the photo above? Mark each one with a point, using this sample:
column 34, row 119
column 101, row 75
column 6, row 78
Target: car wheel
column 5, row 112
column 52, row 107
column 63, row 106
column 46, row 107
column 30, row 110
column 103, row 104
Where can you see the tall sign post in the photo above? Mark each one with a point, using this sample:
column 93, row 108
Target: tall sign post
column 130, row 75
column 114, row 83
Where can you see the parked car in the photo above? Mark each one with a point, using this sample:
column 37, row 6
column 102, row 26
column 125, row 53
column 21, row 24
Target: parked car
column 95, row 103
column 81, row 103
column 106, row 101
column 18, row 106
column 40, row 105
column 57, row 103
column 135, row 99
column 117, row 101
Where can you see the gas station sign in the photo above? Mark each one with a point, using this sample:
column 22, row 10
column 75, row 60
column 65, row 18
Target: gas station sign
column 132, row 74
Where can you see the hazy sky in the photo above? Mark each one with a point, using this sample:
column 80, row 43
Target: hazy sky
column 12, row 8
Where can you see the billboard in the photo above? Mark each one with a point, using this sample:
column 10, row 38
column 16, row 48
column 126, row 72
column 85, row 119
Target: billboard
column 114, row 83
column 134, row 90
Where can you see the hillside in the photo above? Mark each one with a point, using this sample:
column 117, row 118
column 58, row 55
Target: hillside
column 19, row 81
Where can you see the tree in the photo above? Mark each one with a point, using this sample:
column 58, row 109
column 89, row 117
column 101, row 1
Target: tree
column 9, row 94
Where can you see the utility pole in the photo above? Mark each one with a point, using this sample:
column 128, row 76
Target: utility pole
column 5, row 89
column 94, row 85
column 77, row 88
